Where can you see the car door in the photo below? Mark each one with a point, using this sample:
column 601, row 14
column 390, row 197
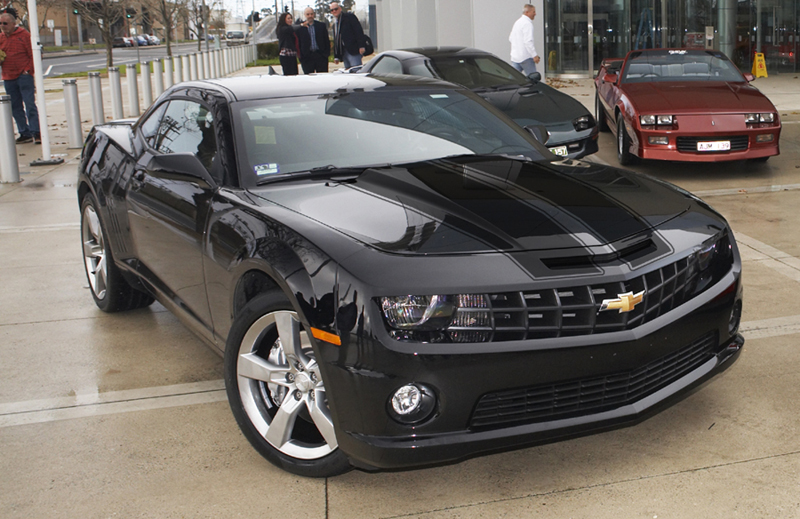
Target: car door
column 168, row 205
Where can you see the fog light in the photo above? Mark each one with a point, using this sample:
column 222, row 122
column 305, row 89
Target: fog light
column 412, row 403
column 767, row 137
column 658, row 140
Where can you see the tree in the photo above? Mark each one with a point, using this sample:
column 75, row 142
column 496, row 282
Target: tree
column 198, row 18
column 168, row 13
column 107, row 15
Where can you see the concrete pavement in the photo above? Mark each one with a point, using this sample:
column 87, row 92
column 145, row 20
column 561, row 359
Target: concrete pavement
column 124, row 415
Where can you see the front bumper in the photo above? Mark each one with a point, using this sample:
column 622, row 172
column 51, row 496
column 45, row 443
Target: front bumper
column 744, row 145
column 576, row 148
column 367, row 372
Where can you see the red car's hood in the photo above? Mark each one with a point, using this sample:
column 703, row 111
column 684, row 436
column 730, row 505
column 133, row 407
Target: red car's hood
column 695, row 97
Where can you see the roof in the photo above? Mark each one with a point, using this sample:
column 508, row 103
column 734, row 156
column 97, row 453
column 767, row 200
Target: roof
column 439, row 52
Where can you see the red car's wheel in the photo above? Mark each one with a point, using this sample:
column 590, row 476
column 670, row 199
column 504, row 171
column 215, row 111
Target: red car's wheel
column 624, row 155
column 600, row 114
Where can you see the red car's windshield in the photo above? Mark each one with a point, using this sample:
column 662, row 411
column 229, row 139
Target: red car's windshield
column 679, row 65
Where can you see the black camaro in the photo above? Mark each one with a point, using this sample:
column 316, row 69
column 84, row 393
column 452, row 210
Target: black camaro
column 572, row 129
column 397, row 274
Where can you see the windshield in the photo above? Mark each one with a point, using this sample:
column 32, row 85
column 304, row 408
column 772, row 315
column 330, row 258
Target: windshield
column 679, row 65
column 387, row 126
column 478, row 71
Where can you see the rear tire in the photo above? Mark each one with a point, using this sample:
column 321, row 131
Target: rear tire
column 626, row 158
column 276, row 392
column 600, row 114
column 110, row 291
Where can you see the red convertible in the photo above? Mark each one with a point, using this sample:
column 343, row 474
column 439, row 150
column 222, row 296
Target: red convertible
column 684, row 105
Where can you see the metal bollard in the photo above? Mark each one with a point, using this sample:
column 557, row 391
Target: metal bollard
column 9, row 164
column 158, row 76
column 116, row 93
column 218, row 63
column 202, row 71
column 96, row 93
column 147, row 85
column 192, row 67
column 207, row 66
column 168, row 72
column 185, row 68
column 133, row 91
column 73, row 109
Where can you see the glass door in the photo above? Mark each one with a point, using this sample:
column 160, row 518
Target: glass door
column 567, row 36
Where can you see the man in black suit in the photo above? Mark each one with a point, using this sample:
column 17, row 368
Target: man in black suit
column 315, row 46
column 348, row 37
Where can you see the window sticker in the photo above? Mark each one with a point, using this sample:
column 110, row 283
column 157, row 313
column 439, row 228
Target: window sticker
column 267, row 169
column 265, row 135
column 439, row 96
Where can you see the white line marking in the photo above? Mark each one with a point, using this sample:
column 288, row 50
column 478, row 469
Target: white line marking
column 48, row 70
column 746, row 190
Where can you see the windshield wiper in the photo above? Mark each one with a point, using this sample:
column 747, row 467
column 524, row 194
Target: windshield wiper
column 320, row 172
column 457, row 156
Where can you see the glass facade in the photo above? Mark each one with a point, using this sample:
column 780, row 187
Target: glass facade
column 579, row 34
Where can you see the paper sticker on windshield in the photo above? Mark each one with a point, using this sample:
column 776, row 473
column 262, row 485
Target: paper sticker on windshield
column 265, row 135
column 677, row 52
column 439, row 96
column 267, row 169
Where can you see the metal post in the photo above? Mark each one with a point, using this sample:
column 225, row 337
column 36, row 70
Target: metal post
column 9, row 164
column 133, row 91
column 201, row 66
column 96, row 93
column 207, row 65
column 185, row 68
column 158, row 75
column 73, row 109
column 80, row 34
column 217, row 68
column 116, row 93
column 38, row 78
column 168, row 71
column 147, row 85
column 192, row 67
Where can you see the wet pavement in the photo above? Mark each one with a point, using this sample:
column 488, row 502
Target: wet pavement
column 125, row 415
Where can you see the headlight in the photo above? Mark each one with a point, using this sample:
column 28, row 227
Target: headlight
column 647, row 120
column 583, row 123
column 438, row 318
column 713, row 259
column 664, row 119
column 759, row 118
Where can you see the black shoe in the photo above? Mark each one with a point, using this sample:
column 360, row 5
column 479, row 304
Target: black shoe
column 22, row 139
column 37, row 138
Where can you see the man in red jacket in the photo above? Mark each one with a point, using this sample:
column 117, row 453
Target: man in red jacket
column 15, row 42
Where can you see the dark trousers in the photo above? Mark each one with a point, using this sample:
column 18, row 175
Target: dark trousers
column 22, row 90
column 314, row 62
column 289, row 65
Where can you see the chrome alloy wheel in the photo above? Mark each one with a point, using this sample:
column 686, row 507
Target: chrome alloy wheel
column 281, row 388
column 94, row 251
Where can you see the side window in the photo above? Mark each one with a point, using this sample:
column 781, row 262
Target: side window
column 388, row 65
column 150, row 126
column 187, row 126
column 420, row 68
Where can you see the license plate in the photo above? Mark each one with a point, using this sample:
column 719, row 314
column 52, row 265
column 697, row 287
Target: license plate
column 559, row 150
column 714, row 146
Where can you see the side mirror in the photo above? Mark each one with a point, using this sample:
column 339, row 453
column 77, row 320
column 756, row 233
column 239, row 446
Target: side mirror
column 355, row 70
column 535, row 77
column 539, row 131
column 749, row 77
column 186, row 164
column 610, row 78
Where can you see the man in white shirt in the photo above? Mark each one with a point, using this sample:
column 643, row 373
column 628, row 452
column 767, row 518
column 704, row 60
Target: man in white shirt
column 523, row 53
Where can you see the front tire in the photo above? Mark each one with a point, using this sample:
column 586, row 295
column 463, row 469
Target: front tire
column 626, row 158
column 599, row 114
column 276, row 392
column 110, row 291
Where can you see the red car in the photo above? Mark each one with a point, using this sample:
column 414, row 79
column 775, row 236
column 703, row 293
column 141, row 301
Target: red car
column 685, row 105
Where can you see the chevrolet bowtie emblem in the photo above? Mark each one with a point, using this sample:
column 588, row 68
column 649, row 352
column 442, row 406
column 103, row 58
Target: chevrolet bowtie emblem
column 623, row 302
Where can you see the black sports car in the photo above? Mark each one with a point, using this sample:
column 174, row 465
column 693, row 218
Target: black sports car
column 572, row 128
column 397, row 274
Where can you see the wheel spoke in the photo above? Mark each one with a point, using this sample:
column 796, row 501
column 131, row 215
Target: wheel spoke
column 321, row 417
column 100, row 277
column 289, row 333
column 282, row 424
column 92, row 250
column 254, row 367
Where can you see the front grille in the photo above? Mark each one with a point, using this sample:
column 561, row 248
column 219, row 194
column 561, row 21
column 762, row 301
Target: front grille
column 591, row 395
column 571, row 311
column 689, row 144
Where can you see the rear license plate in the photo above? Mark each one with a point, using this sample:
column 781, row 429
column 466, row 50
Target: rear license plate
column 714, row 146
column 560, row 150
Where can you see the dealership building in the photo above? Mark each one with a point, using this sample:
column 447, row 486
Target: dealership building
column 574, row 36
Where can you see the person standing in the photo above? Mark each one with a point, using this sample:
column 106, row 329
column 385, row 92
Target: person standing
column 315, row 45
column 287, row 42
column 523, row 52
column 15, row 42
column 348, row 37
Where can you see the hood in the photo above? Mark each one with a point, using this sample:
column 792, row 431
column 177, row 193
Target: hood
column 479, row 205
column 535, row 104
column 700, row 97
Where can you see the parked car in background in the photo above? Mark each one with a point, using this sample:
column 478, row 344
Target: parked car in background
column 571, row 127
column 152, row 39
column 686, row 105
column 119, row 41
column 426, row 283
column 142, row 40
column 235, row 38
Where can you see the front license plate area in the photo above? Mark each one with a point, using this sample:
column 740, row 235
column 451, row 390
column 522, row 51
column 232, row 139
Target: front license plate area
column 714, row 146
column 560, row 151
